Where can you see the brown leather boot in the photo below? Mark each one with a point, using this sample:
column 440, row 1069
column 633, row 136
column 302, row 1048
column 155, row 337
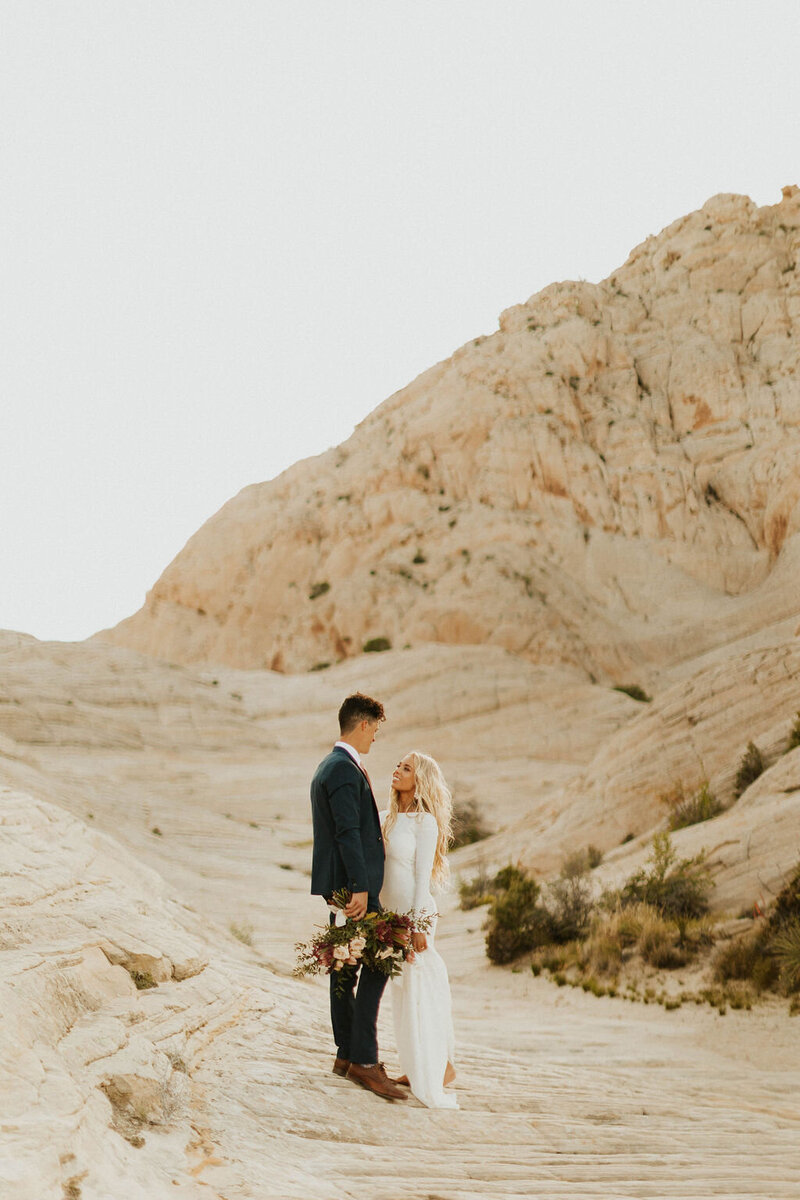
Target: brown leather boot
column 340, row 1066
column 375, row 1080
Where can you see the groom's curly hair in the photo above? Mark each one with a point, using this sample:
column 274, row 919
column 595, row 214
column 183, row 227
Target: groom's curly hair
column 359, row 707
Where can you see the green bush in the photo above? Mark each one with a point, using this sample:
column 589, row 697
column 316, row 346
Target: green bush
column 594, row 857
column 769, row 957
column 674, row 888
column 786, row 947
column 787, row 902
column 476, row 891
column 375, row 645
column 657, row 947
column 319, row 589
column 635, row 692
column 794, row 735
column 749, row 958
column 750, row 767
column 691, row 810
column 482, row 890
column 569, row 900
column 517, row 922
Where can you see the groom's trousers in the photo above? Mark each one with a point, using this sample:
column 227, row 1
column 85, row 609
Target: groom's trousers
column 354, row 1014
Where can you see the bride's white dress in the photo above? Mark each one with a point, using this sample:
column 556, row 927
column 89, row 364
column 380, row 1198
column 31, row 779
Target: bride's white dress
column 421, row 1011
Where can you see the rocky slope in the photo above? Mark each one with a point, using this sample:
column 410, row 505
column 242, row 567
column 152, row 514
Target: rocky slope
column 183, row 861
column 609, row 481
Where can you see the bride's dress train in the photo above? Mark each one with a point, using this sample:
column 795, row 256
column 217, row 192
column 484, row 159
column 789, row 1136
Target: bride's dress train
column 421, row 1010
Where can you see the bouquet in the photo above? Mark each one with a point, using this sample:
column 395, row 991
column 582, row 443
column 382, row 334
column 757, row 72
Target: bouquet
column 380, row 941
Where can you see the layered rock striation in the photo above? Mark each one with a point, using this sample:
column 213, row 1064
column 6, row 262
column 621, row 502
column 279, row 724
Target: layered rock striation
column 607, row 481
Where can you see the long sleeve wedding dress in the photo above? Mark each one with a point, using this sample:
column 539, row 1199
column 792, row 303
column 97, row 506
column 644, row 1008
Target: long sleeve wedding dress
column 421, row 1009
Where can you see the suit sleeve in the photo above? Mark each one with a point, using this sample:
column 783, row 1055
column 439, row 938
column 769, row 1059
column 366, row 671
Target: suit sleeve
column 345, row 804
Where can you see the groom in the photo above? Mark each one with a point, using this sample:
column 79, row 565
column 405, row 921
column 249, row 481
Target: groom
column 349, row 853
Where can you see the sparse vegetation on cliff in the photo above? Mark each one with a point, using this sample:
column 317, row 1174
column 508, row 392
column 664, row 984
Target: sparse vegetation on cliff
column 376, row 645
column 750, row 767
column 685, row 810
column 635, row 692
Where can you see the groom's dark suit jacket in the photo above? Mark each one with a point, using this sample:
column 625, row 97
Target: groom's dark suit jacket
column 348, row 846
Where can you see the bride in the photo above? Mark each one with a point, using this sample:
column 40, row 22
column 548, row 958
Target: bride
column 416, row 830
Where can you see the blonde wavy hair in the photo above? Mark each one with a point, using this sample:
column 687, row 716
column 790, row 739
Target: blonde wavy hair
column 431, row 795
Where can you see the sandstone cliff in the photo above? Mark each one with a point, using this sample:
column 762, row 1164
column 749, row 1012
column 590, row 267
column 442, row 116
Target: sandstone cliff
column 608, row 481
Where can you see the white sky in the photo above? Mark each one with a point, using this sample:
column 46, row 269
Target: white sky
column 229, row 230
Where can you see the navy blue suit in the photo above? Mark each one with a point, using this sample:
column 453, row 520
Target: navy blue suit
column 349, row 853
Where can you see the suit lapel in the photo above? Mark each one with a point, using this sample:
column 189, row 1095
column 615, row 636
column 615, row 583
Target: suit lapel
column 362, row 771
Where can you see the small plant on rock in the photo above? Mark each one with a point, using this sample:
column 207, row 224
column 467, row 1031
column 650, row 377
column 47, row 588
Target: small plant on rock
column 635, row 692
column 376, row 645
column 794, row 735
column 750, row 767
column 691, row 810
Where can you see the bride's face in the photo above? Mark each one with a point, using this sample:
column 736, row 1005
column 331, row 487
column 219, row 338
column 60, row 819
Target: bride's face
column 403, row 777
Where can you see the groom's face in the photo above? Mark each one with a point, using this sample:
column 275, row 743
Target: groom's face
column 363, row 735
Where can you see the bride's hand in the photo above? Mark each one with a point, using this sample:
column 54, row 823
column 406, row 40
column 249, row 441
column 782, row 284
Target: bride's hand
column 420, row 942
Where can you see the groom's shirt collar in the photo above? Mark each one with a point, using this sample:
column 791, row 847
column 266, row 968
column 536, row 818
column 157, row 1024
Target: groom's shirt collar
column 351, row 750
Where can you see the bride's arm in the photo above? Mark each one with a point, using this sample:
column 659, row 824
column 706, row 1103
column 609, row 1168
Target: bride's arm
column 427, row 834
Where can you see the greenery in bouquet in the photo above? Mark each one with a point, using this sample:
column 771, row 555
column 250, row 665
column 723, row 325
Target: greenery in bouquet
column 381, row 941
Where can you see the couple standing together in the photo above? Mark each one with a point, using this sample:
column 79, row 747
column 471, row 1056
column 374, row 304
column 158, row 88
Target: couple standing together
column 390, row 860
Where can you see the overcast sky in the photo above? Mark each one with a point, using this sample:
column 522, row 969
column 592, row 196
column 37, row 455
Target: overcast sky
column 229, row 230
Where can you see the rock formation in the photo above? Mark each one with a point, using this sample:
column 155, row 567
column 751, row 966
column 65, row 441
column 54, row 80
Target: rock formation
column 609, row 481
column 151, row 1043
column 604, row 491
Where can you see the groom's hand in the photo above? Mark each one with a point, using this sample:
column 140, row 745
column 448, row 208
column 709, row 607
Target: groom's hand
column 357, row 906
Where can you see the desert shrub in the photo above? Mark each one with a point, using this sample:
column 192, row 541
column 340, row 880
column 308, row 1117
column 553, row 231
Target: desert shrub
column 675, row 888
column 635, row 692
column 569, row 900
column 507, row 876
column 319, row 589
column 691, row 810
column 751, row 766
column 787, row 903
column 476, row 891
column 794, row 735
column 468, row 824
column 604, row 952
column 594, row 857
column 786, row 948
column 658, row 944
column 142, row 979
column 748, row 957
column 769, row 956
column 616, row 934
column 517, row 921
column 375, row 645
column 482, row 889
